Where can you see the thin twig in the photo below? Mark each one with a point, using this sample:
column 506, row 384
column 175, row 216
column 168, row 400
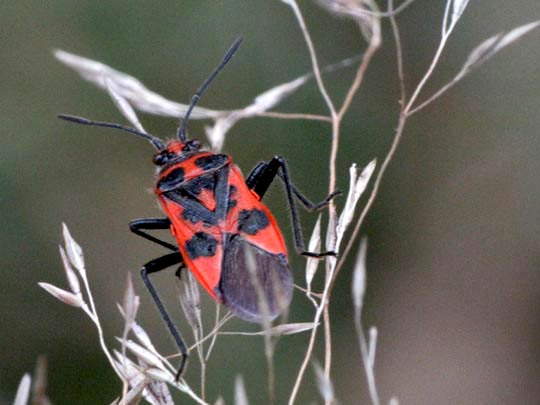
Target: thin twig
column 294, row 116
column 214, row 337
column 368, row 367
column 92, row 313
column 211, row 334
column 311, row 345
column 447, row 31
column 313, row 56
column 404, row 114
column 327, row 342
column 322, row 309
column 391, row 152
column 360, row 73
column 399, row 56
column 391, row 12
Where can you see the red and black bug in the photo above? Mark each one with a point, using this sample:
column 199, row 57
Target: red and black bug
column 226, row 236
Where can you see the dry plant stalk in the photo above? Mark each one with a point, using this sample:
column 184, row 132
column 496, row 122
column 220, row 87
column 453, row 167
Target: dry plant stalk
column 146, row 374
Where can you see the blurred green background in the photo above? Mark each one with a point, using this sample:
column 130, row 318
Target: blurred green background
column 454, row 237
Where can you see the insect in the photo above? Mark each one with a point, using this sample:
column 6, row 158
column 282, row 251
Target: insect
column 225, row 235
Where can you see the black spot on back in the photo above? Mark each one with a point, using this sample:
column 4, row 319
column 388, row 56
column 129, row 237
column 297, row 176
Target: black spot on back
column 206, row 182
column 211, row 162
column 201, row 244
column 252, row 221
column 191, row 189
column 191, row 215
column 232, row 202
column 195, row 212
column 172, row 180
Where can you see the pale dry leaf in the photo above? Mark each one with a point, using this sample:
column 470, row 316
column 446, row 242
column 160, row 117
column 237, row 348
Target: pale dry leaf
column 72, row 278
column 324, row 385
column 262, row 103
column 393, row 401
column 65, row 296
column 157, row 374
column 279, row 330
column 73, row 251
column 128, row 310
column 188, row 311
column 216, row 133
column 330, row 240
column 219, row 401
column 458, row 8
column 314, row 245
column 130, row 304
column 364, row 12
column 193, row 286
column 479, row 52
column 133, row 396
column 139, row 332
column 190, row 301
column 447, row 19
column 492, row 45
column 359, row 277
column 144, row 354
column 130, row 371
column 240, row 395
column 355, row 9
column 372, row 345
column 292, row 328
column 357, row 186
column 123, row 106
column 23, row 391
column 515, row 34
column 270, row 98
column 158, row 393
column 143, row 337
column 130, row 88
column 130, row 94
column 129, row 368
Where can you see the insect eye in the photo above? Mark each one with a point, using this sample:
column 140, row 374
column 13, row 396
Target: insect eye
column 161, row 158
column 192, row 145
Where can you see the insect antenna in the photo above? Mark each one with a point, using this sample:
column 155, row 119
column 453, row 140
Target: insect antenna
column 183, row 121
column 158, row 143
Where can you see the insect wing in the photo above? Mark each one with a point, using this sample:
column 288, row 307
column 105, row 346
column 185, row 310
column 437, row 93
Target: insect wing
column 255, row 276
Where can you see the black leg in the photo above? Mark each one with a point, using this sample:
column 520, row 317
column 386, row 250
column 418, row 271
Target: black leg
column 308, row 205
column 137, row 226
column 259, row 181
column 154, row 266
column 254, row 177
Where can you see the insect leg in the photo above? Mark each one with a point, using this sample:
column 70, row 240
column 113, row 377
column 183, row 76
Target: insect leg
column 308, row 205
column 137, row 226
column 260, row 178
column 255, row 175
column 259, row 181
column 154, row 266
